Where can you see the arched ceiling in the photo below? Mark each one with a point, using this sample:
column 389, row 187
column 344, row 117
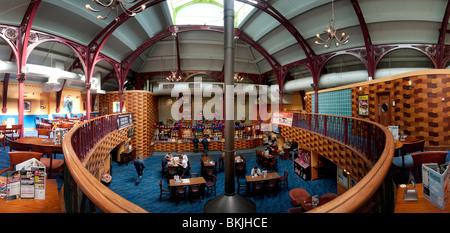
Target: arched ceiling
column 387, row 22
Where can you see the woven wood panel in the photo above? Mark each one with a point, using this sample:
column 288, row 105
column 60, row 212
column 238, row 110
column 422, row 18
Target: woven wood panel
column 333, row 151
column 144, row 107
column 103, row 148
column 419, row 112
column 189, row 146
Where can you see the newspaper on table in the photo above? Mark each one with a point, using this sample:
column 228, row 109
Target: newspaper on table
column 436, row 183
column 13, row 185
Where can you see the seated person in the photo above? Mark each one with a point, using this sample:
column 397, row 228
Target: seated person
column 256, row 171
column 169, row 156
column 184, row 169
column 184, row 156
column 269, row 150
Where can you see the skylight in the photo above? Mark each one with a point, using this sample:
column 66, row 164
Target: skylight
column 204, row 12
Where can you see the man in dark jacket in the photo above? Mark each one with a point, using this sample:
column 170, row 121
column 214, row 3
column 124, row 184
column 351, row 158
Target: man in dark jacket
column 205, row 144
column 139, row 165
column 196, row 141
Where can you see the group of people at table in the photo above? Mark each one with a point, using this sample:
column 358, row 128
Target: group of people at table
column 180, row 166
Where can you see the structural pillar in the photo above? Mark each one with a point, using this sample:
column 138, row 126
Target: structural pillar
column 21, row 79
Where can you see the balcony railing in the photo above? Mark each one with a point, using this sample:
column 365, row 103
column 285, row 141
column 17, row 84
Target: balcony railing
column 370, row 139
column 366, row 137
column 79, row 183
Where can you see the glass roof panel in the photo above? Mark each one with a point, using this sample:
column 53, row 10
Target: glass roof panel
column 204, row 12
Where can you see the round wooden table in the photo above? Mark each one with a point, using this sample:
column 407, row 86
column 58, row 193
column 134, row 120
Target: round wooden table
column 48, row 142
column 307, row 204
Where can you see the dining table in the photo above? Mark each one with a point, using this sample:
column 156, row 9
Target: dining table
column 421, row 205
column 51, row 203
column 269, row 176
column 40, row 142
column 308, row 205
column 208, row 161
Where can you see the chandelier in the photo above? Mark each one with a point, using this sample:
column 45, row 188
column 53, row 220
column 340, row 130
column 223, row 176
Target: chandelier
column 237, row 77
column 114, row 4
column 332, row 34
column 174, row 76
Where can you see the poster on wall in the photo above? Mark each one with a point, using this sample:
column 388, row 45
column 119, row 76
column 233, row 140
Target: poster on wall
column 282, row 118
column 43, row 104
column 364, row 105
column 68, row 104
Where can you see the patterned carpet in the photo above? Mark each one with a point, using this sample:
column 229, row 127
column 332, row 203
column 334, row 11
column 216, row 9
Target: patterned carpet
column 146, row 194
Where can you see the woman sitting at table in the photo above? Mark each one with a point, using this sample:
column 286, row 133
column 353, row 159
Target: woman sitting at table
column 255, row 172
column 169, row 156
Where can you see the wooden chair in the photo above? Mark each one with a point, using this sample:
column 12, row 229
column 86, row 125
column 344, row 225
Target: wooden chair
column 14, row 133
column 44, row 132
column 405, row 159
column 16, row 157
column 211, row 184
column 65, row 125
column 194, row 192
column 258, row 188
column 2, row 135
column 272, row 164
column 180, row 193
column 50, row 164
column 284, row 179
column 18, row 146
column 241, row 184
column 426, row 157
column 272, row 186
column 171, row 172
column 163, row 189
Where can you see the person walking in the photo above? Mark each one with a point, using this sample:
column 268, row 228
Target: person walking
column 139, row 165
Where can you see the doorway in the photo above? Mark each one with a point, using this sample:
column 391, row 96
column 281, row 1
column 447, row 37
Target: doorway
column 383, row 108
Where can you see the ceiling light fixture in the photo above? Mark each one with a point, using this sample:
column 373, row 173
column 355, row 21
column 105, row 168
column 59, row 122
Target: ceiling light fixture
column 175, row 75
column 114, row 4
column 332, row 34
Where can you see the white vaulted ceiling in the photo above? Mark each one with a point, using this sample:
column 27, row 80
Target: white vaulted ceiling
column 388, row 22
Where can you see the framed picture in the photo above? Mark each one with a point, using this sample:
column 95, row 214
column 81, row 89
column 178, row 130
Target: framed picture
column 68, row 104
column 342, row 177
column 43, row 104
column 363, row 102
column 27, row 105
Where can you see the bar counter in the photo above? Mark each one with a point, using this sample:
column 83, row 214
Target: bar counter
column 213, row 145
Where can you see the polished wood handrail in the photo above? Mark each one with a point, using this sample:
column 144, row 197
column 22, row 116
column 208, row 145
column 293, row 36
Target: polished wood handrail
column 348, row 202
column 358, row 195
column 105, row 199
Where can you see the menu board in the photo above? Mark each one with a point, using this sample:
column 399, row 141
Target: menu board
column 124, row 121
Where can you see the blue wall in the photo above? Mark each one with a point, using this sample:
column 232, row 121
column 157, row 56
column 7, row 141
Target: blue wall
column 334, row 102
column 29, row 120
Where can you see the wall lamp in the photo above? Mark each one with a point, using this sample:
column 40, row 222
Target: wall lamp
column 361, row 90
column 411, row 84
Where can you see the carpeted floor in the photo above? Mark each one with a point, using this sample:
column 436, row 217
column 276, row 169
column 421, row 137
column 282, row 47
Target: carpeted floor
column 147, row 193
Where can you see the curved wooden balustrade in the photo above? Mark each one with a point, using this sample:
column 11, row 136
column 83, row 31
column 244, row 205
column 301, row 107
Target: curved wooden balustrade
column 358, row 195
column 105, row 199
column 348, row 202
